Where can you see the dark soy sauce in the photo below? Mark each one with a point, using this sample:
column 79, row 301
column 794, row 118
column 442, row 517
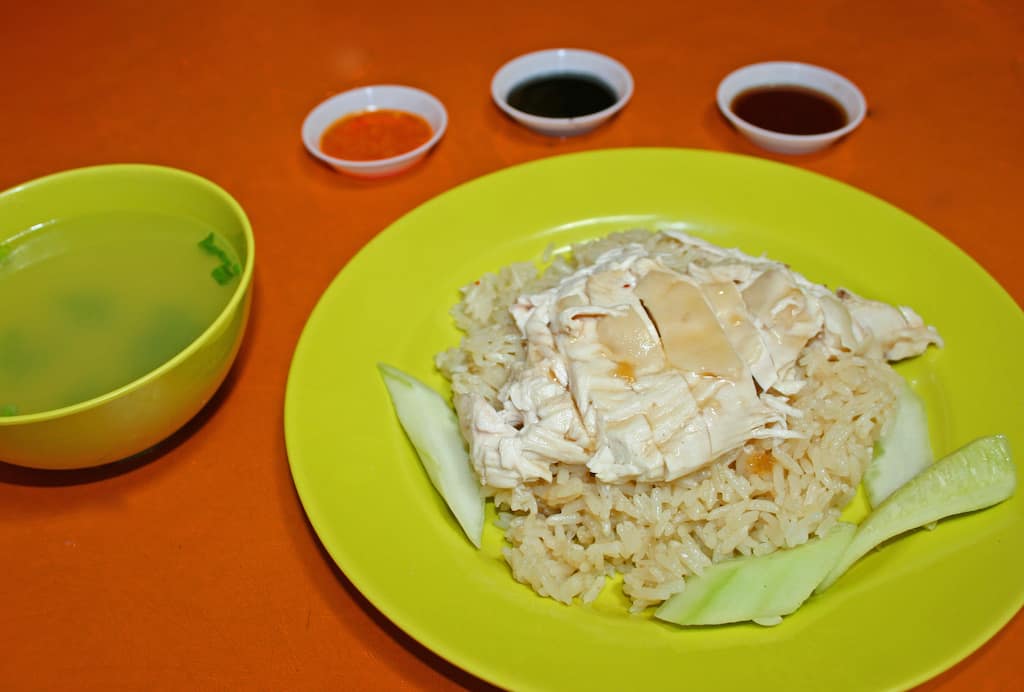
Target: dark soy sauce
column 562, row 95
column 791, row 110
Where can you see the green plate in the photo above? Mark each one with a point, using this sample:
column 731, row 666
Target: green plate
column 901, row 615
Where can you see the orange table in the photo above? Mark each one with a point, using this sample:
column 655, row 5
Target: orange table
column 195, row 568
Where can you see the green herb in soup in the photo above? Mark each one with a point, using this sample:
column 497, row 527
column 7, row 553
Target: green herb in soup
column 90, row 304
column 228, row 268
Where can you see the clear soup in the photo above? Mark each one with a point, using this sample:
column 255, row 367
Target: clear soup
column 89, row 304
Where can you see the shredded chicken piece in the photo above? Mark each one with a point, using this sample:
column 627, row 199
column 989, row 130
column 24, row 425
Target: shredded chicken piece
column 644, row 373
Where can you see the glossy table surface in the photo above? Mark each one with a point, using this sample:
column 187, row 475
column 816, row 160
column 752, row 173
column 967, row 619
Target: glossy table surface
column 194, row 567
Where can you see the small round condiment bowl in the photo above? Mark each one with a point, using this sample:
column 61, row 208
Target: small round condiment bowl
column 134, row 417
column 562, row 61
column 370, row 98
column 812, row 77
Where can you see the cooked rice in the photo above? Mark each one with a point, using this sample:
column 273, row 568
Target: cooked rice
column 566, row 537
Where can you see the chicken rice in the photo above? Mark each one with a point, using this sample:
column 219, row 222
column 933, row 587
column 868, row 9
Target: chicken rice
column 651, row 404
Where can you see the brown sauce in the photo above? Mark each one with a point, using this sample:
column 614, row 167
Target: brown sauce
column 789, row 109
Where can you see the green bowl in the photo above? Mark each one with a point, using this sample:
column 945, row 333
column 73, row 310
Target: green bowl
column 136, row 415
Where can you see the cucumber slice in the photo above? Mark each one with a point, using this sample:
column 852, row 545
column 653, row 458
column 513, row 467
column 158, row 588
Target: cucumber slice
column 904, row 451
column 434, row 431
column 976, row 476
column 761, row 588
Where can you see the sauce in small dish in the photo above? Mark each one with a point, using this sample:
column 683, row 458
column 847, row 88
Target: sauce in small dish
column 791, row 107
column 375, row 134
column 375, row 131
column 563, row 91
column 562, row 95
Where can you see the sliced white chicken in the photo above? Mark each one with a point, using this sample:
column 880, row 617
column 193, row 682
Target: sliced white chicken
column 899, row 331
column 841, row 332
column 645, row 373
column 691, row 335
column 789, row 316
column 746, row 339
column 732, row 412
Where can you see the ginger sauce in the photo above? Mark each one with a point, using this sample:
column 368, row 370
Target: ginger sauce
column 760, row 462
column 375, row 134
